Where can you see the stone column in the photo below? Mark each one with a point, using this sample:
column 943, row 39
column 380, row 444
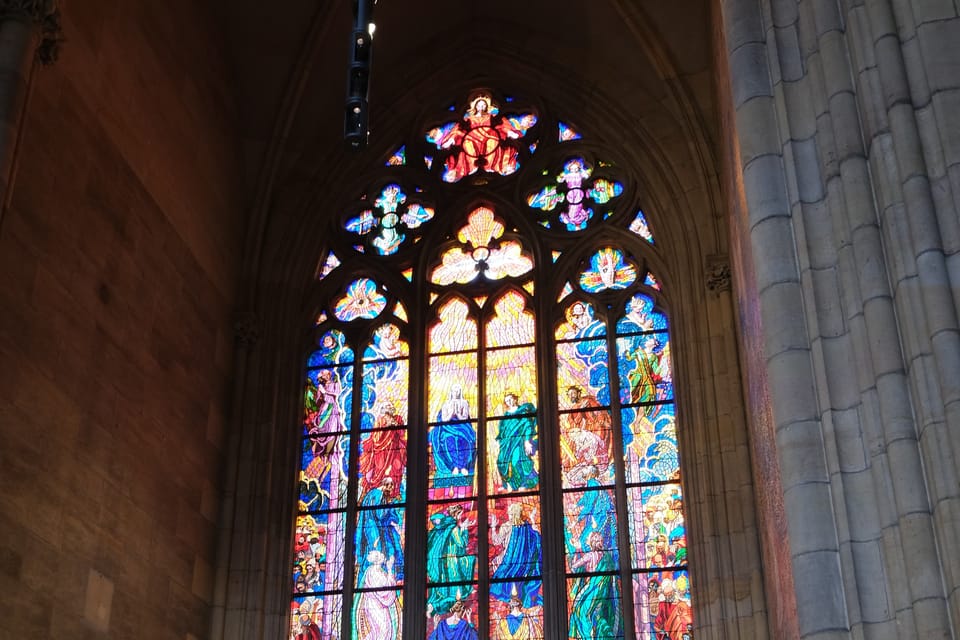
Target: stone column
column 842, row 119
column 29, row 32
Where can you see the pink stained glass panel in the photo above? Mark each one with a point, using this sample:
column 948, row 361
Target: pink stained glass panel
column 316, row 617
column 378, row 615
column 328, row 401
column 586, row 439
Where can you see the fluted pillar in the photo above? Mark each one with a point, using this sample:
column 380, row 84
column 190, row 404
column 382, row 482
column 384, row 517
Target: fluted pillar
column 846, row 152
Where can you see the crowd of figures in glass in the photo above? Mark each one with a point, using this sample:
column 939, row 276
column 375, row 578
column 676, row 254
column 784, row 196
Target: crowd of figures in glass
column 610, row 444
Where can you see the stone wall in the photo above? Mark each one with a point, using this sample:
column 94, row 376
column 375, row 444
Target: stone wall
column 119, row 256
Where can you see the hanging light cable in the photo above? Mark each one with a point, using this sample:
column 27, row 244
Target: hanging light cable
column 356, row 118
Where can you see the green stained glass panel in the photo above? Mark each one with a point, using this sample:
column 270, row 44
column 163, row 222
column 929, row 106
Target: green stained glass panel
column 593, row 604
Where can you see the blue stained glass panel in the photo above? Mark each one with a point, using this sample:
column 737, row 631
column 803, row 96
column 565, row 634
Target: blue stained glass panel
column 641, row 316
column 378, row 543
column 590, row 528
column 650, row 443
column 333, row 350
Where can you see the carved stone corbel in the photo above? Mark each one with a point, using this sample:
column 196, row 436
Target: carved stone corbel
column 718, row 274
column 246, row 328
column 45, row 14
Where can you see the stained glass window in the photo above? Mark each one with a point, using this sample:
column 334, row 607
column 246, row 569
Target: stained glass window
column 489, row 445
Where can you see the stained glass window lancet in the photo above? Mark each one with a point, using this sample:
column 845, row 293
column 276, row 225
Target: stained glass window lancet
column 603, row 555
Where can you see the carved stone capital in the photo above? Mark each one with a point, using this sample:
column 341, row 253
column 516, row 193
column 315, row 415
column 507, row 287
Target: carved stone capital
column 718, row 274
column 44, row 14
column 246, row 328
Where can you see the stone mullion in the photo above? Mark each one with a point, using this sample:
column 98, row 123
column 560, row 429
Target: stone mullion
column 807, row 494
column 927, row 324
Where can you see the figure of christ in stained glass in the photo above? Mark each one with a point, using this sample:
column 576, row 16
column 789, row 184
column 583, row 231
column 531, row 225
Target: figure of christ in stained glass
column 511, row 621
column 662, row 606
column 380, row 527
column 593, row 600
column 480, row 139
column 316, row 617
column 515, row 550
column 451, row 555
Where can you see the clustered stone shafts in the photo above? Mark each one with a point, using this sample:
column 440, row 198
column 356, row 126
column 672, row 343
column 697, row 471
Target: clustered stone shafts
column 853, row 251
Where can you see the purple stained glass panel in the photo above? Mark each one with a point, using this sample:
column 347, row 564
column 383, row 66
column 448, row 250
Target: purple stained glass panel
column 316, row 617
column 328, row 400
column 378, row 615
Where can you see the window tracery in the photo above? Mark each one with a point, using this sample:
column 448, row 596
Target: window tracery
column 536, row 456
